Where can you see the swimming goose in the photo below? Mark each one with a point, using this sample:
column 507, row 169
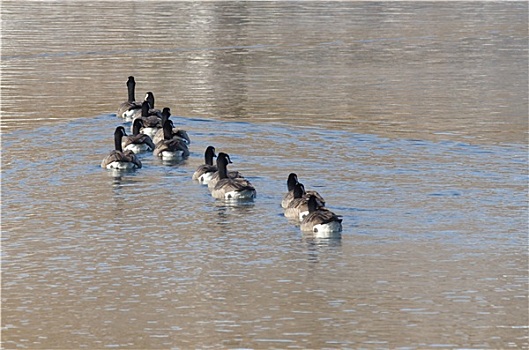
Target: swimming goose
column 151, row 122
column 289, row 196
column 320, row 220
column 228, row 188
column 205, row 171
column 182, row 134
column 117, row 159
column 130, row 108
column 169, row 147
column 298, row 204
column 137, row 142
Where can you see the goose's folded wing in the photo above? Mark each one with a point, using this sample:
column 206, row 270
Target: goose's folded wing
column 114, row 156
column 238, row 184
column 203, row 169
column 325, row 216
column 140, row 139
column 319, row 198
column 129, row 156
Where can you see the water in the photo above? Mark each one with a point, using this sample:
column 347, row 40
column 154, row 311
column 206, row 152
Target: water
column 409, row 118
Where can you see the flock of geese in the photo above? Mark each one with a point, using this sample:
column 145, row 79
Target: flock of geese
column 153, row 131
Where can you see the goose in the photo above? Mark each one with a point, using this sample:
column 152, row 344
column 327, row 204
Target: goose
column 298, row 204
column 117, row 159
column 130, row 108
column 182, row 134
column 205, row 171
column 320, row 220
column 137, row 142
column 151, row 122
column 289, row 196
column 228, row 188
column 169, row 147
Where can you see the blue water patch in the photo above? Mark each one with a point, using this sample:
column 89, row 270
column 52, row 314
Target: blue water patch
column 371, row 181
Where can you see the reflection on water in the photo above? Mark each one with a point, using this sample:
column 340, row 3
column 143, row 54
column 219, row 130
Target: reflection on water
column 434, row 71
column 409, row 118
column 435, row 240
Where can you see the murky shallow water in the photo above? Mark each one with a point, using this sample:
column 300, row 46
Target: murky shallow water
column 432, row 183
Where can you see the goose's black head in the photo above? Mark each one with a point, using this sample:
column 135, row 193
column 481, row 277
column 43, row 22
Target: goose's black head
column 136, row 126
column 149, row 97
column 223, row 159
column 118, row 134
column 292, row 181
column 209, row 155
column 131, row 83
column 120, row 130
